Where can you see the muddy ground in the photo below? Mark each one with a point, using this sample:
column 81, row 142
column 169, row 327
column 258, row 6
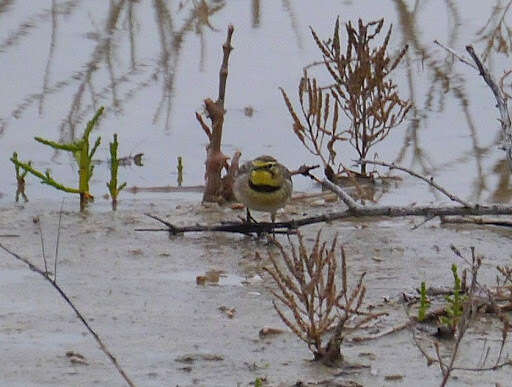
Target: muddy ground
column 139, row 292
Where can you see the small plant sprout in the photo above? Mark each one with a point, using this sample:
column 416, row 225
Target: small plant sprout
column 424, row 302
column 113, row 188
column 83, row 155
column 20, row 179
column 313, row 287
column 455, row 303
column 360, row 104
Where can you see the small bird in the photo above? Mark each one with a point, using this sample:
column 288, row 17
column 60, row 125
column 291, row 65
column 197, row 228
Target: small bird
column 263, row 184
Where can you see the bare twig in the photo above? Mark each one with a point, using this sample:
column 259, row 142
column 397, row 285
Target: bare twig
column 305, row 170
column 57, row 243
column 79, row 314
column 351, row 203
column 459, row 57
column 425, row 179
column 386, row 332
column 43, row 251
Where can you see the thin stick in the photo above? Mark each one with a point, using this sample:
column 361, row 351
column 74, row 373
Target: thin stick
column 506, row 124
column 386, row 332
column 223, row 73
column 43, row 253
column 429, row 181
column 479, row 221
column 351, row 203
column 57, row 242
column 80, row 316
column 459, row 57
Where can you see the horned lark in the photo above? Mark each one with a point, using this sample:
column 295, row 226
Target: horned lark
column 263, row 185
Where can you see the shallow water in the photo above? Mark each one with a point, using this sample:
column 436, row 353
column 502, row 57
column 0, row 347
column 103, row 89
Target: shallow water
column 139, row 292
column 151, row 64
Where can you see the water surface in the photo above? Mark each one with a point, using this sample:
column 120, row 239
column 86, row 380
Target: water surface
column 152, row 63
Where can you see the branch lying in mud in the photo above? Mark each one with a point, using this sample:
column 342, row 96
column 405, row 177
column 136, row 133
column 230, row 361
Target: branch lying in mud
column 290, row 226
column 354, row 210
column 234, row 227
column 80, row 316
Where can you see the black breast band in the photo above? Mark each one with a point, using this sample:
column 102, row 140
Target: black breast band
column 263, row 187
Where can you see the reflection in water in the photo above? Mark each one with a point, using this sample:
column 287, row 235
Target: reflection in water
column 496, row 33
column 113, row 65
column 256, row 8
column 503, row 191
column 24, row 30
column 288, row 7
column 445, row 81
column 121, row 22
column 50, row 56
column 90, row 89
column 203, row 12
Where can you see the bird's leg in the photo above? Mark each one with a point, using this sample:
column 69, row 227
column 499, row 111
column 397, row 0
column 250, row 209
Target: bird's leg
column 273, row 218
column 249, row 218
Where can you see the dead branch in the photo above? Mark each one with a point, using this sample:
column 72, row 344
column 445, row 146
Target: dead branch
column 506, row 124
column 233, row 227
column 387, row 211
column 351, row 203
column 479, row 221
column 215, row 191
column 304, row 170
column 354, row 210
column 79, row 314
column 429, row 181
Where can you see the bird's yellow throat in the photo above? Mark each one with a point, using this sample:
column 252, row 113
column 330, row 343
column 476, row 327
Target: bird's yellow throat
column 265, row 176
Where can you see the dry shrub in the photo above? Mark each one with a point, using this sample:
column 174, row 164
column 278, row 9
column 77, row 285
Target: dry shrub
column 313, row 287
column 360, row 95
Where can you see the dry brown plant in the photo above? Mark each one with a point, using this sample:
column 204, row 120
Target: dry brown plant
column 313, row 287
column 360, row 89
